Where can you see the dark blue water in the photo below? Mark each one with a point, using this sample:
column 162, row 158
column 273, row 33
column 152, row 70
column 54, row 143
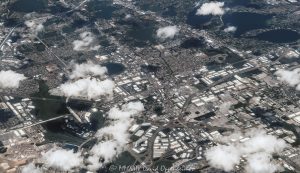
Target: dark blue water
column 97, row 121
column 28, row 6
column 197, row 21
column 233, row 3
column 57, row 131
column 114, row 68
column 53, row 107
column 279, row 36
column 243, row 3
column 246, row 21
column 79, row 105
column 50, row 108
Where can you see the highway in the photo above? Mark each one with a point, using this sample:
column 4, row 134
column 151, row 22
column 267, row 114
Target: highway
column 7, row 36
column 35, row 124
column 51, row 53
column 187, row 29
column 151, row 140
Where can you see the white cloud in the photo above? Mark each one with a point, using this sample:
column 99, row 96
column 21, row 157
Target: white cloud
column 116, row 131
column 115, row 136
column 87, row 69
column 34, row 26
column 31, row 168
column 258, row 151
column 112, row 140
column 90, row 88
column 167, row 32
column 211, row 8
column 10, row 79
column 292, row 78
column 86, row 43
column 106, row 150
column 64, row 160
column 230, row 29
column 127, row 111
column 223, row 157
column 260, row 163
column 84, row 84
column 261, row 142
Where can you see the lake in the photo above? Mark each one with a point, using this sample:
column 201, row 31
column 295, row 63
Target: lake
column 53, row 107
column 197, row 21
column 279, row 36
column 246, row 21
column 243, row 3
column 28, row 6
column 114, row 68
